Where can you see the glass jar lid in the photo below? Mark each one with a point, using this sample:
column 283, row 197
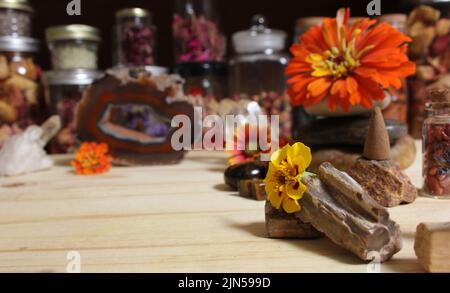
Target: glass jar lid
column 16, row 4
column 259, row 38
column 132, row 12
column 72, row 32
column 72, row 76
column 19, row 44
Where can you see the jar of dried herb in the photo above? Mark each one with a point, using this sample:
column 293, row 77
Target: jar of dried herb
column 436, row 145
column 15, row 18
column 257, row 71
column 73, row 46
column 63, row 90
column 196, row 32
column 19, row 85
column 135, row 38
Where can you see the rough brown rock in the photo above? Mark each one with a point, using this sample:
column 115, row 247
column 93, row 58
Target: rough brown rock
column 384, row 182
column 336, row 205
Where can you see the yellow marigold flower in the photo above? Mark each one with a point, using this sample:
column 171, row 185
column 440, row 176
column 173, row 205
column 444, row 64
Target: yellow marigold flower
column 283, row 181
column 92, row 158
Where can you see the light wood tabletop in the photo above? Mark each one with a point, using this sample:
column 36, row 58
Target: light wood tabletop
column 178, row 218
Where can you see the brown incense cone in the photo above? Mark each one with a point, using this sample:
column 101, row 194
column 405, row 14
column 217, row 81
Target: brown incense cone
column 377, row 146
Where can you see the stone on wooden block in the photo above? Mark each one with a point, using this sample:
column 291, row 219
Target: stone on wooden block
column 280, row 224
column 336, row 205
column 252, row 188
column 432, row 247
column 384, row 182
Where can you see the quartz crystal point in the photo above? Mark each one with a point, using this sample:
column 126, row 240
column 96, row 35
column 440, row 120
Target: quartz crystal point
column 24, row 153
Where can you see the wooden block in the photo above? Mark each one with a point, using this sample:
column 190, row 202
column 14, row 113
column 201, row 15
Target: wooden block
column 432, row 247
column 282, row 225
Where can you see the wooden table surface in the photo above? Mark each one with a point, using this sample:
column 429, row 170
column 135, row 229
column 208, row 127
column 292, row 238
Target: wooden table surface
column 168, row 219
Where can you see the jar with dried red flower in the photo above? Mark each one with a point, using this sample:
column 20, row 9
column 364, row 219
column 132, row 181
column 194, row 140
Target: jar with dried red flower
column 436, row 146
column 63, row 90
column 196, row 32
column 19, row 86
column 135, row 38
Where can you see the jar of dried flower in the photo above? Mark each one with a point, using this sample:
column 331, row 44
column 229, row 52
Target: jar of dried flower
column 196, row 32
column 15, row 18
column 73, row 46
column 63, row 90
column 257, row 71
column 19, row 87
column 436, row 145
column 205, row 83
column 135, row 37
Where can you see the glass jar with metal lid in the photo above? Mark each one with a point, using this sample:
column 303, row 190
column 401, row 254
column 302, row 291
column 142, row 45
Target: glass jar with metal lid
column 73, row 46
column 63, row 90
column 19, row 85
column 15, row 18
column 135, row 38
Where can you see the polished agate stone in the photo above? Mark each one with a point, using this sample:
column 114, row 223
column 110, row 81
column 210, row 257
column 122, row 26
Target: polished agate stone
column 131, row 111
column 245, row 171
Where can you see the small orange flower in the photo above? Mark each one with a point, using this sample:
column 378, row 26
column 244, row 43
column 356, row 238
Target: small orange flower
column 92, row 158
column 347, row 64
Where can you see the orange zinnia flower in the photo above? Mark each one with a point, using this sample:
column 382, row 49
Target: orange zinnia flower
column 348, row 64
column 92, row 158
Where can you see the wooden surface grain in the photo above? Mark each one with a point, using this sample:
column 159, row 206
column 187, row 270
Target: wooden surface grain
column 168, row 219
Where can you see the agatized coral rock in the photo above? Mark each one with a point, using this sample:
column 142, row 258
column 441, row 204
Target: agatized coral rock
column 336, row 205
column 131, row 111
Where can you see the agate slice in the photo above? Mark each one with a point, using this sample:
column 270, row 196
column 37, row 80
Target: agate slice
column 131, row 111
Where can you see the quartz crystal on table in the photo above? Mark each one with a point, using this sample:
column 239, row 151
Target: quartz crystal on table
column 24, row 153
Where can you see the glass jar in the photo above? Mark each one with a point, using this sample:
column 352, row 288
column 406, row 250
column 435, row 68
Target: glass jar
column 436, row 146
column 257, row 71
column 196, row 32
column 398, row 108
column 19, row 85
column 63, row 90
column 73, row 46
column 15, row 18
column 135, row 38
column 430, row 50
column 205, row 83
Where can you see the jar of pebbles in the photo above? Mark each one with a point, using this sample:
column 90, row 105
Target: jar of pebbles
column 73, row 46
column 15, row 18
